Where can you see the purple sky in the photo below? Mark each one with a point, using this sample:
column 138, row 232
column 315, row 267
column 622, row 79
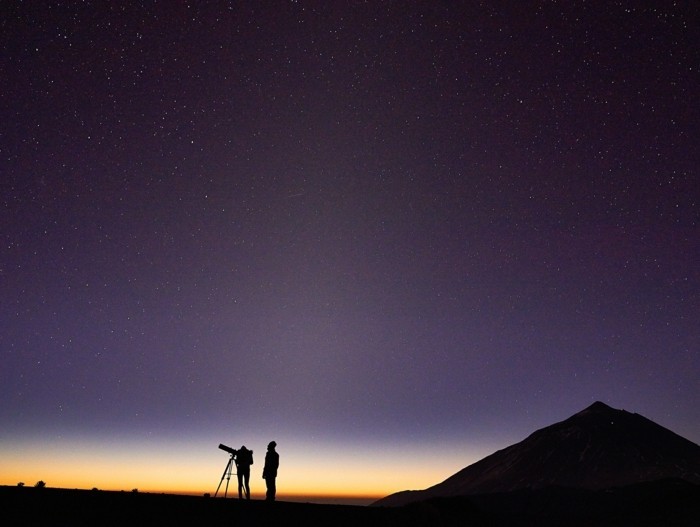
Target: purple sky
column 347, row 221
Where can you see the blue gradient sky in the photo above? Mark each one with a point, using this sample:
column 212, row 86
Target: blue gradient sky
column 393, row 237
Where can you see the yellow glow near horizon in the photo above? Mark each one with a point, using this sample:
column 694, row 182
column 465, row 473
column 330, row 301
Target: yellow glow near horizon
column 309, row 471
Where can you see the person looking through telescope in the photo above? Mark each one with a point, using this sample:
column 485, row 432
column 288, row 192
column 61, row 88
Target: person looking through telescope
column 244, row 459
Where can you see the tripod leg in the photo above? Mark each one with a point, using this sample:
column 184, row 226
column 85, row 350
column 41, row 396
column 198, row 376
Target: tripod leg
column 228, row 476
column 227, row 470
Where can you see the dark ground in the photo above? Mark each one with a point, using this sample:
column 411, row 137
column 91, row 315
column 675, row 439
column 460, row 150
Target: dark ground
column 668, row 504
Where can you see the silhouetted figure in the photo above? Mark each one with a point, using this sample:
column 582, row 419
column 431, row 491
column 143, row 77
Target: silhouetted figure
column 244, row 459
column 272, row 462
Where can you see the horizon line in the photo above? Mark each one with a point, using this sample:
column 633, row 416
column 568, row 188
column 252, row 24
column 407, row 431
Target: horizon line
column 314, row 498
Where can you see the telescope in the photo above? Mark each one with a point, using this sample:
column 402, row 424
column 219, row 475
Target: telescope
column 228, row 449
column 229, row 467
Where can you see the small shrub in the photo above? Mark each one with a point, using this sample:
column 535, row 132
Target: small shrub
column 40, row 484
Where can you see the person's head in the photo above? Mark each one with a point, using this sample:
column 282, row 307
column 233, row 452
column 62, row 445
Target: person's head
column 243, row 447
column 271, row 445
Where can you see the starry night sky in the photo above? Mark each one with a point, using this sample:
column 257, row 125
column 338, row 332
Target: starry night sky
column 367, row 230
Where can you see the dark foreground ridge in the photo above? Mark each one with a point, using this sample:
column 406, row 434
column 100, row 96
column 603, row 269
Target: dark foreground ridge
column 31, row 506
column 670, row 503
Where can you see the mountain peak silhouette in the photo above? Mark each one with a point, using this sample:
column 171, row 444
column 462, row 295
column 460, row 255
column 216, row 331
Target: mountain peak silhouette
column 597, row 407
column 597, row 448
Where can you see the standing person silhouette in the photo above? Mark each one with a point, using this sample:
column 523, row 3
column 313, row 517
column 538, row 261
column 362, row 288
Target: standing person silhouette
column 272, row 462
column 244, row 459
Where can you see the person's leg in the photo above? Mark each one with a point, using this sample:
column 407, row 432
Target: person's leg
column 269, row 483
column 246, row 481
column 240, row 485
column 273, row 489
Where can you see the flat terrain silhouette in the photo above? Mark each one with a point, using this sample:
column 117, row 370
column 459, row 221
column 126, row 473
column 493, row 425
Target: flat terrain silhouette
column 669, row 503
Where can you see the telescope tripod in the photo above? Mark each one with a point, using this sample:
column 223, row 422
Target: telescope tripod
column 227, row 474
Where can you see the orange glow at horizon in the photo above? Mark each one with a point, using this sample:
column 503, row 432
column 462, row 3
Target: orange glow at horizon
column 324, row 473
